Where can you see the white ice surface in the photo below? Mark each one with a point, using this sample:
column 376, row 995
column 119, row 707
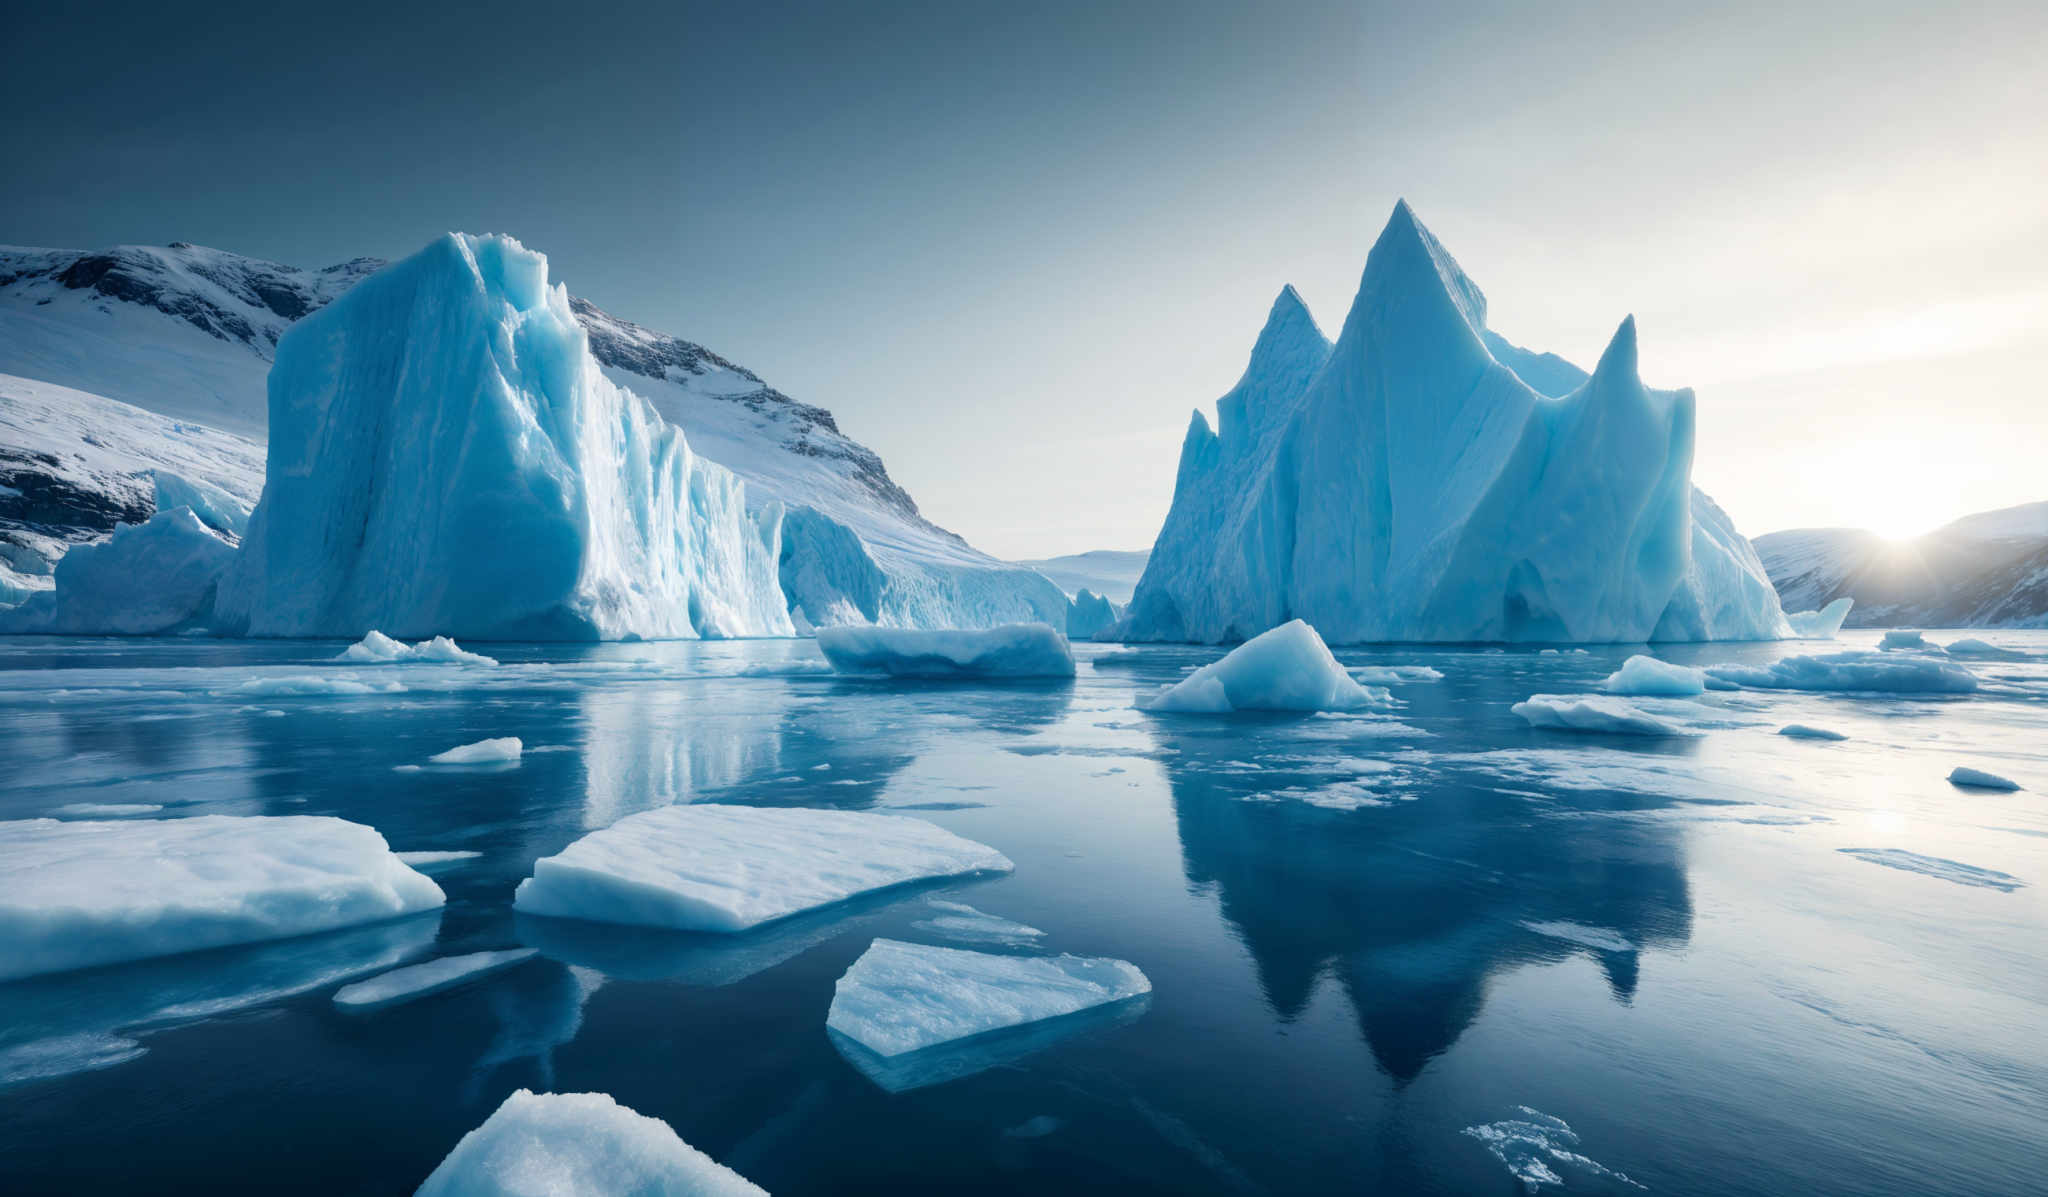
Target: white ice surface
column 1643, row 675
column 728, row 868
column 578, row 1145
column 900, row 997
column 501, row 750
column 1801, row 731
column 1542, row 1151
column 1894, row 673
column 1592, row 713
column 375, row 648
column 1287, row 668
column 1016, row 650
column 419, row 980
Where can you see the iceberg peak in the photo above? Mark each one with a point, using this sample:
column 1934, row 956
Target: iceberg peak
column 1619, row 361
column 1408, row 263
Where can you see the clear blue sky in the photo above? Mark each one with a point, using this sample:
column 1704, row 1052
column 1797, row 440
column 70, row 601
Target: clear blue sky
column 1011, row 246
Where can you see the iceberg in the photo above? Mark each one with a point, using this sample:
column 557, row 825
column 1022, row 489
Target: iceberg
column 728, row 868
column 1591, row 713
column 1090, row 615
column 1801, row 731
column 500, row 751
column 570, row 1144
column 1649, row 676
column 1288, row 668
column 901, row 997
column 1977, row 779
column 92, row 893
column 1854, row 670
column 375, row 648
column 446, row 458
column 1899, row 638
column 1822, row 624
column 215, row 507
column 1973, row 647
column 420, row 980
column 147, row 579
column 1022, row 650
column 1424, row 480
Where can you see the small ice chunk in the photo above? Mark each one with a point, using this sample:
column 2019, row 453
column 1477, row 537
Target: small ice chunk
column 91, row 893
column 1648, row 676
column 1592, row 713
column 1600, row 939
column 1288, row 668
column 1852, row 671
column 418, row 980
column 62, row 1055
column 1902, row 638
column 428, row 860
column 1389, row 675
column 572, row 1144
column 103, row 810
column 901, row 997
column 1978, row 779
column 1822, row 624
column 284, row 687
column 1801, row 731
column 1015, row 650
column 1540, row 1149
column 707, row 867
column 1973, row 647
column 968, row 925
column 378, row 649
column 1935, row 866
column 503, row 750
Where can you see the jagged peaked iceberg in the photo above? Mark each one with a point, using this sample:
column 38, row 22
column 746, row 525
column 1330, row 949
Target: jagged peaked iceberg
column 447, row 458
column 1423, row 479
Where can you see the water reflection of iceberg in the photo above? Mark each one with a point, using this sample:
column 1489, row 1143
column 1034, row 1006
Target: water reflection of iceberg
column 71, row 1022
column 536, row 1012
column 979, row 1053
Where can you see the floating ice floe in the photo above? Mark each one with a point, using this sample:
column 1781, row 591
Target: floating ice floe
column 1540, row 1149
column 900, row 997
column 1899, row 638
column 107, row 810
column 1853, row 671
column 293, row 687
column 1592, row 713
column 1978, row 779
column 1642, row 675
column 1022, row 650
column 499, row 751
column 1973, row 647
column 577, row 1144
column 1801, row 731
column 419, row 980
column 434, row 859
column 1389, row 675
column 728, row 868
column 1935, row 866
column 1823, row 624
column 85, row 894
column 962, row 922
column 1600, row 939
column 378, row 649
column 1288, row 668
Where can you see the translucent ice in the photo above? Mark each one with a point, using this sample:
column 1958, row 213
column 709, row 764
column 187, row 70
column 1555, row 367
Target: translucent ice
column 1649, row 676
column 1288, row 668
column 419, row 980
column 1015, row 650
column 901, row 997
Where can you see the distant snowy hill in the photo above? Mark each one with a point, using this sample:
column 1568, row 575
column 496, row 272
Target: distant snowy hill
column 190, row 333
column 1111, row 573
column 1984, row 570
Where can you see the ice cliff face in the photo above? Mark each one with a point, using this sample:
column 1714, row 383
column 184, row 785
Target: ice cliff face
column 1422, row 479
column 446, row 457
column 1984, row 570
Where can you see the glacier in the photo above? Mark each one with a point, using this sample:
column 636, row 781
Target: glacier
column 560, row 1144
column 1423, row 479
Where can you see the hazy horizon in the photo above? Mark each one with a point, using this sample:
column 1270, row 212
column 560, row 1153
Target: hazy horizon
column 1012, row 251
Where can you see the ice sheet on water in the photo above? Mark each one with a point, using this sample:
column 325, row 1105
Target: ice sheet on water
column 1600, row 939
column 106, row 810
column 1592, row 713
column 502, row 750
column 1392, row 675
column 959, row 921
column 1288, row 668
column 1025, row 650
column 728, row 868
column 1540, row 1150
column 80, row 894
column 1801, row 731
column 1643, row 675
column 63, row 1055
column 286, row 687
column 1853, row 671
column 420, row 980
column 1935, row 866
column 1978, row 779
column 900, row 997
column 1903, row 638
column 570, row 1144
column 378, row 649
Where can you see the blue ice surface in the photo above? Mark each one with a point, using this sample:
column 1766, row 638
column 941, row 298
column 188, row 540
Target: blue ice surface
column 1571, row 924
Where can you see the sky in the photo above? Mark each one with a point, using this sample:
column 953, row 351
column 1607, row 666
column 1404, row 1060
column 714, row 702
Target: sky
column 1011, row 246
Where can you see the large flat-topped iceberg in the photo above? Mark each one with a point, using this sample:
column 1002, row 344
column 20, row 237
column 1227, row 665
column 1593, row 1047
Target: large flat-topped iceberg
column 446, row 458
column 578, row 1145
column 1887, row 673
column 903, row 997
column 1286, row 669
column 1017, row 650
column 83, row 894
column 1423, row 479
column 728, row 868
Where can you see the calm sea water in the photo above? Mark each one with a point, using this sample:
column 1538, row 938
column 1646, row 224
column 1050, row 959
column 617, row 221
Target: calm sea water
column 1390, row 954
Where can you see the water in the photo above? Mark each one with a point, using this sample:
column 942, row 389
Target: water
column 1422, row 951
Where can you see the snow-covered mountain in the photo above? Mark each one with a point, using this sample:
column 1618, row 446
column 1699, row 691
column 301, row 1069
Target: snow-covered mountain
column 1111, row 573
column 1983, row 570
column 190, row 333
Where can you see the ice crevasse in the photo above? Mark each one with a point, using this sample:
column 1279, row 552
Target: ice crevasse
column 446, row 458
column 1423, row 479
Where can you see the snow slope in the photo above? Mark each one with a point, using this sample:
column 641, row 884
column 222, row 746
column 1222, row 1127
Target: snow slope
column 1111, row 573
column 1408, row 483
column 1984, row 570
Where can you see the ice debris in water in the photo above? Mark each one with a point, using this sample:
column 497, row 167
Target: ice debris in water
column 1648, row 676
column 968, row 925
column 105, row 810
column 1015, row 650
column 85, row 894
column 1801, row 731
column 706, row 867
column 1822, row 624
column 1935, row 866
column 1852, row 671
column 379, row 649
column 1540, row 1150
column 1600, row 939
column 1978, row 779
column 1973, row 647
column 901, row 997
column 419, row 980
column 1288, row 668
column 577, row 1144
column 498, row 751
column 1902, row 638
column 1592, row 713
column 1388, row 675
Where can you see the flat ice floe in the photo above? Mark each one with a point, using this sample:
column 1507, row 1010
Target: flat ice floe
column 1903, row 638
column 90, row 893
column 1935, row 866
column 1642, row 675
column 420, row 980
column 1858, row 671
column 1978, row 779
column 1592, row 713
column 573, row 1144
column 378, row 649
column 107, row 810
column 1541, row 1150
column 1390, row 675
column 959, row 921
column 1288, row 668
column 900, row 997
column 728, row 868
column 503, row 750
column 1801, row 731
column 1016, row 650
